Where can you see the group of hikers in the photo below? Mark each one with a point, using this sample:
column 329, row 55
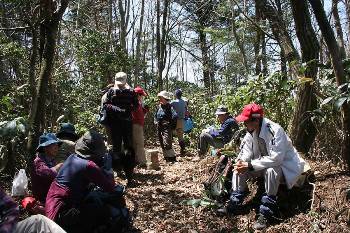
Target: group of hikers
column 73, row 180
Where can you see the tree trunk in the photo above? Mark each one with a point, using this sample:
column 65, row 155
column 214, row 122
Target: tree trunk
column 338, row 68
column 205, row 56
column 338, row 28
column 303, row 130
column 159, row 60
column 32, row 63
column 52, row 18
column 138, row 45
column 257, row 42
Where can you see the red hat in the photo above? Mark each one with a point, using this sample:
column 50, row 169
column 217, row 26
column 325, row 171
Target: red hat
column 249, row 111
column 139, row 90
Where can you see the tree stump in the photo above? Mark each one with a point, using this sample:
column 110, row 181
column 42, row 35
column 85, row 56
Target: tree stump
column 152, row 159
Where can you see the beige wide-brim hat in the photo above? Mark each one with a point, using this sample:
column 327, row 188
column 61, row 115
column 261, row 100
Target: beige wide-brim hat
column 120, row 78
column 166, row 95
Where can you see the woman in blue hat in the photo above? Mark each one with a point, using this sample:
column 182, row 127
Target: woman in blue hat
column 45, row 167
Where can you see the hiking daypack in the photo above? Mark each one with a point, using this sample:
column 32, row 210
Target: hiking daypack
column 219, row 183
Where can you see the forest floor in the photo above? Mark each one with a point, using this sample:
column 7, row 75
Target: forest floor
column 156, row 201
column 156, row 198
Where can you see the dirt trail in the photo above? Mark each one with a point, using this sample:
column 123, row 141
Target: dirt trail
column 155, row 202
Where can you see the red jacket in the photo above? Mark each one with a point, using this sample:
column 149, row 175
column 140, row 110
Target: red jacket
column 138, row 115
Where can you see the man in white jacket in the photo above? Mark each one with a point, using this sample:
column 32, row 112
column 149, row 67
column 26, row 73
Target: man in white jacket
column 266, row 151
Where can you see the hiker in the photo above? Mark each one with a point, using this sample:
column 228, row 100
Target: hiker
column 218, row 138
column 67, row 137
column 45, row 167
column 166, row 119
column 67, row 201
column 9, row 216
column 120, row 102
column 266, row 151
column 180, row 107
column 138, row 120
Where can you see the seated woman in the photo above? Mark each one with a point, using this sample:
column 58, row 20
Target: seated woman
column 45, row 167
column 66, row 202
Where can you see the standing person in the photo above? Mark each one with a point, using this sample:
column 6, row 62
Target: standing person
column 266, row 151
column 120, row 102
column 180, row 107
column 165, row 119
column 45, row 167
column 68, row 138
column 67, row 201
column 218, row 137
column 9, row 215
column 138, row 120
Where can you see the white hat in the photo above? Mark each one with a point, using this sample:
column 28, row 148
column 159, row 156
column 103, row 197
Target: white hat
column 120, row 78
column 166, row 95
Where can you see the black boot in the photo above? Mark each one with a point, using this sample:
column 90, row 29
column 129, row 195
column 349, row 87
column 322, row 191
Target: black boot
column 182, row 148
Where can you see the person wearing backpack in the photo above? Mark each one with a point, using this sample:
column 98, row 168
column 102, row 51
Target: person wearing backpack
column 71, row 201
column 266, row 151
column 180, row 107
column 218, row 137
column 166, row 119
column 120, row 102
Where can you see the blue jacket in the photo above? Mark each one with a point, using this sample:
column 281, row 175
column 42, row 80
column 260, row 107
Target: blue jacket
column 228, row 127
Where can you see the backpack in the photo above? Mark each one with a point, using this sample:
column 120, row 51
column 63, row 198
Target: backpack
column 219, row 183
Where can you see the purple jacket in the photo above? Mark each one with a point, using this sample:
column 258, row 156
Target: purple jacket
column 9, row 213
column 42, row 176
column 71, row 184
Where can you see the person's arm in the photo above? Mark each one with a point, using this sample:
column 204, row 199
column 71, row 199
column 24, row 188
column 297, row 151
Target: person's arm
column 277, row 153
column 44, row 172
column 96, row 175
column 9, row 213
column 224, row 129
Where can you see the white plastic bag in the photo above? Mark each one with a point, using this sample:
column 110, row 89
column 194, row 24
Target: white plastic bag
column 20, row 184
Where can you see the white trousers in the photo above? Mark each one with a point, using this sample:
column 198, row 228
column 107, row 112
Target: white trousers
column 139, row 144
column 37, row 224
column 272, row 179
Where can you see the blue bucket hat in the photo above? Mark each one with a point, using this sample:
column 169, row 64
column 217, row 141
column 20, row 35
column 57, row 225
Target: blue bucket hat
column 46, row 140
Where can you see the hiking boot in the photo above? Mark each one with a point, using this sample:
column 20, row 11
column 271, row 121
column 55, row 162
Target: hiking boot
column 260, row 223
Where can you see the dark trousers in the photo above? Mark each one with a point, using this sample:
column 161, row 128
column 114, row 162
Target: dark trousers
column 83, row 219
column 123, row 152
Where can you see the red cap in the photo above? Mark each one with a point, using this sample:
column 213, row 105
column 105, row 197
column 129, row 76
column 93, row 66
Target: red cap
column 28, row 202
column 140, row 91
column 249, row 111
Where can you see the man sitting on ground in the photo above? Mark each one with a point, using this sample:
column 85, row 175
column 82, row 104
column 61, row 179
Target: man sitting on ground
column 68, row 137
column 266, row 151
column 218, row 138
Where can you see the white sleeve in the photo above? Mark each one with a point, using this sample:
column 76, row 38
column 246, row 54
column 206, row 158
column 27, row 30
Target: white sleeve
column 277, row 152
column 246, row 150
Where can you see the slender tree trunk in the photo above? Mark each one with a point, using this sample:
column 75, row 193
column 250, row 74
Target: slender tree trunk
column 257, row 43
column 32, row 63
column 303, row 130
column 205, row 56
column 338, row 68
column 158, row 41
column 338, row 28
column 138, row 45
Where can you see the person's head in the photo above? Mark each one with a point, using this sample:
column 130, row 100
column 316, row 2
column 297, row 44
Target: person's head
column 140, row 93
column 252, row 115
column 178, row 93
column 91, row 146
column 222, row 113
column 120, row 80
column 164, row 97
column 67, row 132
column 48, row 144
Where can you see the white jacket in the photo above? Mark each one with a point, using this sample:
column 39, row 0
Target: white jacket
column 279, row 148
